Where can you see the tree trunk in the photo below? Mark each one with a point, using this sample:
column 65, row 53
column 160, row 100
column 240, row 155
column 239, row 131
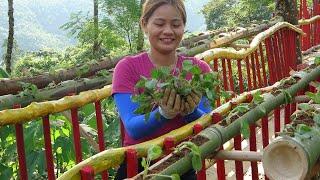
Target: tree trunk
column 8, row 59
column 54, row 93
column 96, row 28
column 140, row 40
column 288, row 10
column 13, row 86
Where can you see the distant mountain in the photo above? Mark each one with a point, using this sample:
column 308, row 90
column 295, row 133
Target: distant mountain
column 37, row 22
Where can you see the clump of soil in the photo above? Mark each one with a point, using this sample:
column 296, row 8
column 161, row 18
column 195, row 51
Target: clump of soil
column 284, row 84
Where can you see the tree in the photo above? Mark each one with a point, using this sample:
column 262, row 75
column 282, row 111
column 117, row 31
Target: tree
column 96, row 27
column 8, row 57
column 124, row 15
column 220, row 13
column 140, row 40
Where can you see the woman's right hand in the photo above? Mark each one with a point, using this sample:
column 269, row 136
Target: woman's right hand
column 171, row 104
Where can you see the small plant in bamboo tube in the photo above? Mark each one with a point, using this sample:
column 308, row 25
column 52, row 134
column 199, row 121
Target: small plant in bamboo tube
column 161, row 78
column 195, row 152
column 154, row 152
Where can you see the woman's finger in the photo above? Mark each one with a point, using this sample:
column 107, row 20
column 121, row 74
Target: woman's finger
column 195, row 98
column 165, row 98
column 177, row 103
column 190, row 101
column 172, row 98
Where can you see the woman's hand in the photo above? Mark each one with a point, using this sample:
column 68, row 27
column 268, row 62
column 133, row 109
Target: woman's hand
column 171, row 104
column 191, row 104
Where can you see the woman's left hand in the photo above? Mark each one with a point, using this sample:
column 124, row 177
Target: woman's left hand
column 191, row 103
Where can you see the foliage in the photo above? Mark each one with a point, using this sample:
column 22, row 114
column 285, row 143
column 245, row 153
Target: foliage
column 124, row 16
column 220, row 13
column 3, row 73
column 195, row 152
column 161, row 78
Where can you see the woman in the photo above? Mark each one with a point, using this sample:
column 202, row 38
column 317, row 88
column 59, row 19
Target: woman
column 163, row 22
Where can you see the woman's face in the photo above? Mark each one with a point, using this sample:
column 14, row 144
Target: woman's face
column 165, row 29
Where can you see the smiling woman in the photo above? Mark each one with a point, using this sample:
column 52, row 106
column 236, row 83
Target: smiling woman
column 163, row 22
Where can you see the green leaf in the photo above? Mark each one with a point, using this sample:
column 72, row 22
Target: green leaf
column 151, row 84
column 317, row 60
column 175, row 177
column 287, row 97
column 196, row 161
column 141, row 83
column 3, row 74
column 242, row 108
column 187, row 65
column 245, row 130
column 144, row 163
column 314, row 97
column 195, row 70
column 258, row 98
column 302, row 128
column 154, row 152
column 304, row 106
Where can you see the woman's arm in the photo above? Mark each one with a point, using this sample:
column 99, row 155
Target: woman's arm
column 136, row 125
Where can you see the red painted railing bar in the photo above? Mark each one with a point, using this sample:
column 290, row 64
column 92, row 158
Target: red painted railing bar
column 238, row 164
column 263, row 65
column 231, row 82
column 287, row 114
column 277, row 120
column 258, row 69
column 48, row 147
column 265, row 132
column 87, row 173
column 132, row 163
column 282, row 54
column 97, row 105
column 277, row 57
column 76, row 134
column 285, row 55
column 248, row 74
column 20, row 149
column 224, row 73
column 216, row 69
column 270, row 57
column 241, row 87
column 221, row 174
column 201, row 175
column 253, row 147
column 168, row 144
column 254, row 74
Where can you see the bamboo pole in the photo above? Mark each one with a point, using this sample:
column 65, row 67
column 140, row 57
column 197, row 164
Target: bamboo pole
column 241, row 54
column 114, row 157
column 219, row 135
column 53, row 93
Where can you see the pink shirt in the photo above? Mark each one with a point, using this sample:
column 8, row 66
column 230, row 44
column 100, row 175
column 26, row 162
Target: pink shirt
column 127, row 73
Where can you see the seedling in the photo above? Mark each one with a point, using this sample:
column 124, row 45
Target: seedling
column 195, row 151
column 154, row 152
column 161, row 78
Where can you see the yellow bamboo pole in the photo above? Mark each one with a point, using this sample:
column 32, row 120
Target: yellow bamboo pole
column 34, row 110
column 241, row 54
column 114, row 157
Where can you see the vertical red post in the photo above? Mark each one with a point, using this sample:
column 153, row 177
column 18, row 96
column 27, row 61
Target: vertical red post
column 132, row 163
column 21, row 149
column 216, row 69
column 258, row 69
column 270, row 56
column 263, row 65
column 237, row 139
column 277, row 120
column 76, row 134
column 87, row 173
column 248, row 74
column 100, row 133
column 287, row 114
column 216, row 117
column 168, row 145
column 201, row 175
column 253, row 68
column 48, row 147
column 265, row 132
column 253, row 147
